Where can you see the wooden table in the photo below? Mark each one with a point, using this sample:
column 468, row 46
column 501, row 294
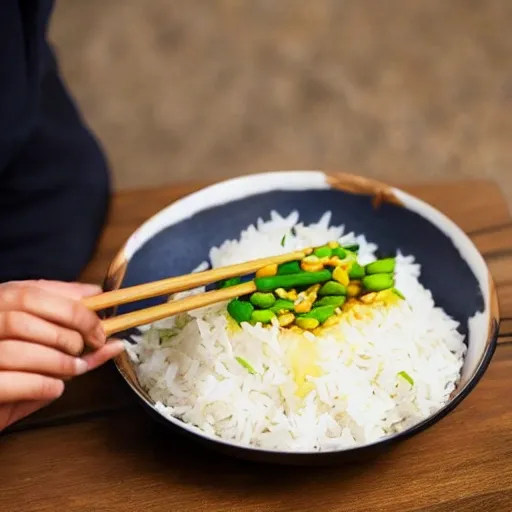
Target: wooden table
column 96, row 450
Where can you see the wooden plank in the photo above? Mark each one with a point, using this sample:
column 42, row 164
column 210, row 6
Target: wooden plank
column 505, row 298
column 127, row 463
column 485, row 214
column 506, row 326
column 494, row 243
column 500, row 267
column 476, row 206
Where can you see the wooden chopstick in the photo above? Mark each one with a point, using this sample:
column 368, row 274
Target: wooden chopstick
column 185, row 282
column 145, row 316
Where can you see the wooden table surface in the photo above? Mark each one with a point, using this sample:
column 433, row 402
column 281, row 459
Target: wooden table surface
column 96, row 450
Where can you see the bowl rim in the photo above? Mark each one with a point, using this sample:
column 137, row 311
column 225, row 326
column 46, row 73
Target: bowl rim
column 355, row 184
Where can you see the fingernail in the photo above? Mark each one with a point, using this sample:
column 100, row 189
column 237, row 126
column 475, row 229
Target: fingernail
column 90, row 289
column 81, row 366
column 117, row 345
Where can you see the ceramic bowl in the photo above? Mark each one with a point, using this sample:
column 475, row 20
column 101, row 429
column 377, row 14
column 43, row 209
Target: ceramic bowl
column 179, row 237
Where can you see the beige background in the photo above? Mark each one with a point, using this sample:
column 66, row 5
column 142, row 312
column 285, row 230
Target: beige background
column 398, row 89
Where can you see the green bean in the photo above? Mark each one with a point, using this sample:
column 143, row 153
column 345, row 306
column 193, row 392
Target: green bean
column 340, row 253
column 378, row 282
column 385, row 266
column 330, row 300
column 226, row 283
column 351, row 247
column 356, row 271
column 262, row 300
column 282, row 305
column 332, row 288
column 262, row 315
column 290, row 267
column 240, row 310
column 268, row 284
column 320, row 313
column 323, row 252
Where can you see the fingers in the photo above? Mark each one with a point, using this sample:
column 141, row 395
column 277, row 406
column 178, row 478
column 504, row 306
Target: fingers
column 23, row 326
column 21, row 387
column 54, row 308
column 110, row 350
column 34, row 358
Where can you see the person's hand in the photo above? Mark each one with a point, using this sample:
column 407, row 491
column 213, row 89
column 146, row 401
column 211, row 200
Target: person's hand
column 44, row 329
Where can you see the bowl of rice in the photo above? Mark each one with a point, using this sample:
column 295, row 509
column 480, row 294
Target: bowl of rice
column 403, row 343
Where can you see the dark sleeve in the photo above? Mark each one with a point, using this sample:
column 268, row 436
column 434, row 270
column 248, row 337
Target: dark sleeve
column 54, row 184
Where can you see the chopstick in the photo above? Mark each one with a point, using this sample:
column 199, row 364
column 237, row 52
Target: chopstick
column 145, row 316
column 185, row 282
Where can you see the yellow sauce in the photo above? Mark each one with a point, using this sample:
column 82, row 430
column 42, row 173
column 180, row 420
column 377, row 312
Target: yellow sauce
column 232, row 326
column 303, row 358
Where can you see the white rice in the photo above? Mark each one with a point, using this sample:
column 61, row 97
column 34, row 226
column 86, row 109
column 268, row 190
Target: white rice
column 357, row 394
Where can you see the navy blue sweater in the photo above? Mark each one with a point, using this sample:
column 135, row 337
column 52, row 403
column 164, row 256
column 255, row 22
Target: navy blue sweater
column 54, row 185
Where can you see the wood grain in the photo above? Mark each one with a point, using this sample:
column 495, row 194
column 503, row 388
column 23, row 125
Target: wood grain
column 127, row 463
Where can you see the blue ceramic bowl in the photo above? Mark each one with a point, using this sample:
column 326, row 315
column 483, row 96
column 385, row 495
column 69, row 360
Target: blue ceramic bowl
column 179, row 238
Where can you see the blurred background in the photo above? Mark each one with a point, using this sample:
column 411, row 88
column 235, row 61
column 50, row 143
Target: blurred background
column 403, row 90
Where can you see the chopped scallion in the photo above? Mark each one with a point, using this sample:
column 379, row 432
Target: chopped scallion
column 166, row 334
column 246, row 365
column 406, row 377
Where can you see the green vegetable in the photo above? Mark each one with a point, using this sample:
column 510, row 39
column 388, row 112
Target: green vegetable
column 240, row 310
column 268, row 284
column 356, row 271
column 323, row 252
column 290, row 267
column 407, row 377
column 262, row 300
column 283, row 240
column 182, row 320
column 226, row 283
column 385, row 266
column 246, row 365
column 321, row 313
column 378, row 282
column 282, row 304
column 332, row 288
column 331, row 300
column 166, row 334
column 351, row 247
column 341, row 253
column 262, row 315
column 399, row 293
